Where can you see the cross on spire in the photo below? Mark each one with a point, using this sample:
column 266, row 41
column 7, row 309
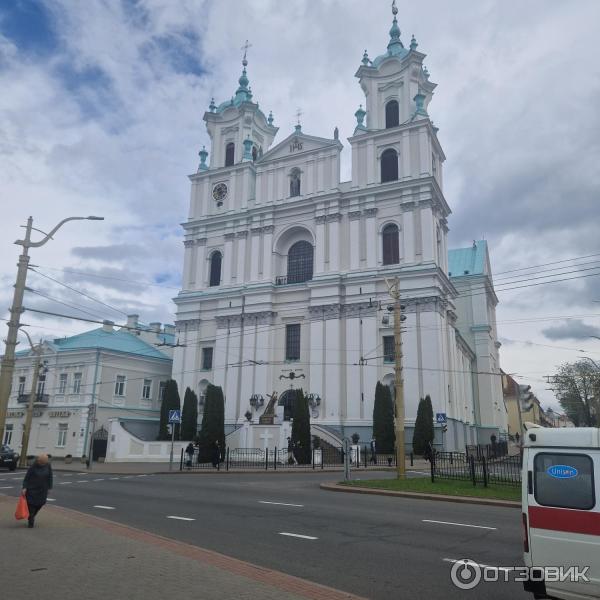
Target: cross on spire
column 245, row 49
column 298, row 115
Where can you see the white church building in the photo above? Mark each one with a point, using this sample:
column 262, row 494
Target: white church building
column 285, row 268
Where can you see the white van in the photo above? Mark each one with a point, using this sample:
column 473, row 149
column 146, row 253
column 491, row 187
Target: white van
column 561, row 511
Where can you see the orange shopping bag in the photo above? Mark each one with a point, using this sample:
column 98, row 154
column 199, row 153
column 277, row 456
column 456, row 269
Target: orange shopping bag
column 22, row 511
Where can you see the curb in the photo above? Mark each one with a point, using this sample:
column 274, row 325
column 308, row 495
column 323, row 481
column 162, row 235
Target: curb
column 336, row 487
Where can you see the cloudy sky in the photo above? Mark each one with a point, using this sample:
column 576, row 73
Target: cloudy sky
column 101, row 110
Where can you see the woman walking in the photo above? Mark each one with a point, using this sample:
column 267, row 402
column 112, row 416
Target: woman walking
column 37, row 482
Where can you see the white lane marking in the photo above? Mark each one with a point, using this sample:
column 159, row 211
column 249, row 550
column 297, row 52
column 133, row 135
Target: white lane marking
column 280, row 503
column 51, row 499
column 180, row 518
column 458, row 524
column 298, row 535
column 471, row 562
column 7, row 487
column 127, row 476
column 98, row 479
column 141, row 475
column 104, row 507
column 65, row 482
column 114, row 478
column 83, row 473
column 67, row 474
column 83, row 481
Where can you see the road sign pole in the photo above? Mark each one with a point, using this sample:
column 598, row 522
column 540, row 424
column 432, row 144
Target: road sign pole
column 172, row 444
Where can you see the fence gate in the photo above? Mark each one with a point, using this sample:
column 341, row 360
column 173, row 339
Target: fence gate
column 100, row 443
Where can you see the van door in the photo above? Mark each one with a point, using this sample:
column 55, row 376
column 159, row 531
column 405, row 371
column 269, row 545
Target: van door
column 564, row 516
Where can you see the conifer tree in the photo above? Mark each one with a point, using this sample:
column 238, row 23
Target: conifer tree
column 169, row 402
column 189, row 415
column 383, row 419
column 423, row 433
column 213, row 423
column 301, row 429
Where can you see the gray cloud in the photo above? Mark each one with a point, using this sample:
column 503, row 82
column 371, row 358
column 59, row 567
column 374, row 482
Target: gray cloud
column 112, row 253
column 574, row 329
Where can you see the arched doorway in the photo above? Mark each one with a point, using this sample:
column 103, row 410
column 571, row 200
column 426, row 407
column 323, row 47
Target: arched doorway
column 287, row 400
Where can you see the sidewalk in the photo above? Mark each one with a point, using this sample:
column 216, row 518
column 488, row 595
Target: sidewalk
column 71, row 554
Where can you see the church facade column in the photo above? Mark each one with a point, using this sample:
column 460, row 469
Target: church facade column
column 228, row 259
column 200, row 278
column 187, row 262
column 333, row 223
column 267, row 262
column 354, row 241
column 371, row 236
column 255, row 259
column 320, row 244
column 241, row 256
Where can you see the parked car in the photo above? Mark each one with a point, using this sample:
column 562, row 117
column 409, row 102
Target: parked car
column 8, row 458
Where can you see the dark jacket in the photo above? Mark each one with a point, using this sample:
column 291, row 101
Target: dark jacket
column 37, row 482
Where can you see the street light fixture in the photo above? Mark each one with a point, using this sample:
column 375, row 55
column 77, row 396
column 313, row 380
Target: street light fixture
column 8, row 360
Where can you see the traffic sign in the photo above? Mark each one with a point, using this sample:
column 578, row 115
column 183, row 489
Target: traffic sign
column 441, row 418
column 174, row 416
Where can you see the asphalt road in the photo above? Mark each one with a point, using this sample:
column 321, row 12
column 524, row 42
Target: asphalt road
column 373, row 546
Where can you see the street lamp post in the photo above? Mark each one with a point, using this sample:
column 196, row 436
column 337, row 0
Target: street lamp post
column 8, row 360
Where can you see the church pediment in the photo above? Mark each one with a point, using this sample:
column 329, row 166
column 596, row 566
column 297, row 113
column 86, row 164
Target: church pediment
column 298, row 144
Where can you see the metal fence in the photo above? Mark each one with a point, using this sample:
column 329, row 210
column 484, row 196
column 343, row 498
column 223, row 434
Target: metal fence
column 504, row 470
column 489, row 451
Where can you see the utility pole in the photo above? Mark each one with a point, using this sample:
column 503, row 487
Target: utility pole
column 394, row 291
column 37, row 364
column 7, row 366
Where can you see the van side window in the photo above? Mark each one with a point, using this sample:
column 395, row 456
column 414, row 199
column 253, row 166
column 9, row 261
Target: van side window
column 564, row 480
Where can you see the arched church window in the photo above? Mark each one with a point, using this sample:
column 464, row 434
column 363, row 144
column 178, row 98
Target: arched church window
column 254, row 153
column 295, row 183
column 229, row 154
column 389, row 165
column 391, row 246
column 215, row 269
column 392, row 114
column 300, row 262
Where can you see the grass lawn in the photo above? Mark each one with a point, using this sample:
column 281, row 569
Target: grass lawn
column 448, row 487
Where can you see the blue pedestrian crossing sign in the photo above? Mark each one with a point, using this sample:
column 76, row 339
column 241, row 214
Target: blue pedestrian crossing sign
column 441, row 418
column 174, row 416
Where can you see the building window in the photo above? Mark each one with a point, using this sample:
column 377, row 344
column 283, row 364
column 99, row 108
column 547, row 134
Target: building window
column 300, row 262
column 392, row 114
column 77, row 383
column 389, row 165
column 61, row 442
column 207, row 359
column 215, row 269
column 62, row 383
column 21, row 390
column 295, row 183
column 147, row 389
column 292, row 342
column 41, row 385
column 229, row 154
column 8, row 431
column 162, row 386
column 389, row 349
column 120, row 385
column 391, row 246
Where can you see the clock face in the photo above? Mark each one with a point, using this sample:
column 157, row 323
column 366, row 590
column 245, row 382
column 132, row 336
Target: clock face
column 220, row 192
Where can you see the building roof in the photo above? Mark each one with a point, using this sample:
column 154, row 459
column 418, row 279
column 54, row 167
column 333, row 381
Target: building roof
column 468, row 261
column 118, row 340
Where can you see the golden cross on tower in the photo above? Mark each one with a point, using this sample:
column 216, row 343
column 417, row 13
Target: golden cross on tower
column 394, row 8
column 298, row 115
column 245, row 49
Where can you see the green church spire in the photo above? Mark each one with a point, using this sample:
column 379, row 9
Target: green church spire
column 395, row 30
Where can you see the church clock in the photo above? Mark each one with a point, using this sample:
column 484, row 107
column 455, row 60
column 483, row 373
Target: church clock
column 219, row 193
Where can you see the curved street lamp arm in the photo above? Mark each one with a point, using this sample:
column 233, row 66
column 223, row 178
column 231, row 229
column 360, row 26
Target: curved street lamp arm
column 53, row 231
